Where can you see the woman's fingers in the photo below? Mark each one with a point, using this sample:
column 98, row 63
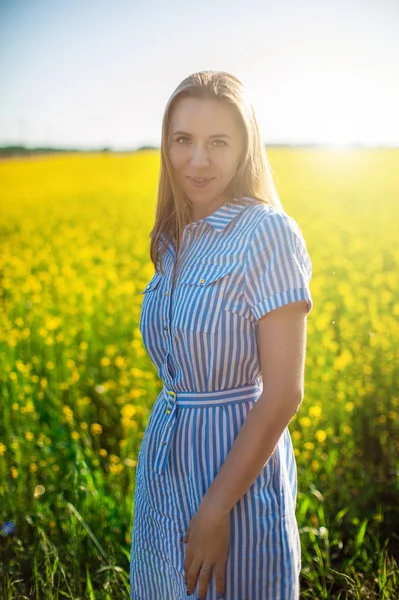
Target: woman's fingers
column 196, row 575
column 203, row 582
column 192, row 575
column 188, row 560
column 220, row 572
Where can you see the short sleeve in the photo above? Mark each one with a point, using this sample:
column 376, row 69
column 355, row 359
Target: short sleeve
column 278, row 268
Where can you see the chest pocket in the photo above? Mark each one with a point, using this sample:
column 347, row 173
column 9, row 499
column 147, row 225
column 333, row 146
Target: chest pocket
column 202, row 295
column 152, row 284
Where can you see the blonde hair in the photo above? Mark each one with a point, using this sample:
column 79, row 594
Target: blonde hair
column 253, row 178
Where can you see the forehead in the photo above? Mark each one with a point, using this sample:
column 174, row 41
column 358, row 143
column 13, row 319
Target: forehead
column 203, row 112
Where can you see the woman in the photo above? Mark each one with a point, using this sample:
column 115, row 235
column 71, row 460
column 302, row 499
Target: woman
column 224, row 321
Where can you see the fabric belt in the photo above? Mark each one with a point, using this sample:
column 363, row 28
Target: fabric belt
column 172, row 400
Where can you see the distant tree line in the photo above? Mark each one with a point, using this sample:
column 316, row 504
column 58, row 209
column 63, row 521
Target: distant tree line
column 15, row 150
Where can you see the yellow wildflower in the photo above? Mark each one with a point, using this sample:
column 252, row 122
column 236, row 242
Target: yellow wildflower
column 95, row 429
column 320, row 435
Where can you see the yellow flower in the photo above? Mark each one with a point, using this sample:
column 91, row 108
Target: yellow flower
column 28, row 408
column 137, row 393
column 305, row 422
column 68, row 413
column 2, row 449
column 95, row 428
column 74, row 377
column 309, row 445
column 119, row 362
column 320, row 436
column 128, row 410
column 115, row 469
column 315, row 411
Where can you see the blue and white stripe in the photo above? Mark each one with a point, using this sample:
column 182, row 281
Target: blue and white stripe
column 237, row 264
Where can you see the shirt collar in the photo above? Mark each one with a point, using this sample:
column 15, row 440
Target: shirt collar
column 223, row 215
column 220, row 218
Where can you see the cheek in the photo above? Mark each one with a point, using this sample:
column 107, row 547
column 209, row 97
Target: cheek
column 177, row 159
column 230, row 166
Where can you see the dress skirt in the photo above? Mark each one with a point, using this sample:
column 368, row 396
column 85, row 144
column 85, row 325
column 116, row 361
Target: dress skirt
column 186, row 441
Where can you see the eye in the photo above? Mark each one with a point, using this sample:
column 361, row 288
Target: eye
column 182, row 140
column 220, row 143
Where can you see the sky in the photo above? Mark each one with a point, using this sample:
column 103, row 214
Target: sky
column 96, row 73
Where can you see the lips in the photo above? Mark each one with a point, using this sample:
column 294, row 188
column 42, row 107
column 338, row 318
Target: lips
column 200, row 179
column 200, row 182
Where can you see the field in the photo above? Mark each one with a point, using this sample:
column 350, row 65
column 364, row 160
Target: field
column 76, row 385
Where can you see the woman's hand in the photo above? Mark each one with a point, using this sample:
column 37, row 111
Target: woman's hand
column 208, row 543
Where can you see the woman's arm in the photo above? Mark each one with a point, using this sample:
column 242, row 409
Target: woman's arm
column 282, row 346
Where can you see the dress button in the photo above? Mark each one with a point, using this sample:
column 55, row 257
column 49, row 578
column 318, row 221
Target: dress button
column 166, row 293
column 164, row 444
column 166, row 329
column 202, row 280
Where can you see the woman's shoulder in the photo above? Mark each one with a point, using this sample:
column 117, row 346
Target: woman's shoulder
column 261, row 212
column 267, row 219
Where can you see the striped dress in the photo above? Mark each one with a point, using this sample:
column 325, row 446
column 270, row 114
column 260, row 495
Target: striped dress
column 237, row 264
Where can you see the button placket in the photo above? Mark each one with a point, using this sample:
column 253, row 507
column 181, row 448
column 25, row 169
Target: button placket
column 167, row 435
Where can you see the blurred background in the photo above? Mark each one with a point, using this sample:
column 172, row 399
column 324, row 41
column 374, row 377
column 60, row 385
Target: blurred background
column 83, row 88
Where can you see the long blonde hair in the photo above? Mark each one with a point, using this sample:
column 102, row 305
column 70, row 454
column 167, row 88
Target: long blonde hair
column 253, row 178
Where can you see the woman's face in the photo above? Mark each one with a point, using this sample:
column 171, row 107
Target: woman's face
column 205, row 146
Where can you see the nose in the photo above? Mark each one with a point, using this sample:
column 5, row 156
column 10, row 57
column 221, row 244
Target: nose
column 199, row 156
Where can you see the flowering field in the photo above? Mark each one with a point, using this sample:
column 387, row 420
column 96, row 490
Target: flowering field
column 76, row 386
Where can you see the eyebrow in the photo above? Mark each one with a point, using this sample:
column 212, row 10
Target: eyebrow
column 216, row 135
